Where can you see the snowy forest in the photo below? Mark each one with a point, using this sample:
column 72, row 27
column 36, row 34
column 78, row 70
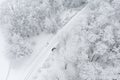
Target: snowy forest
column 60, row 40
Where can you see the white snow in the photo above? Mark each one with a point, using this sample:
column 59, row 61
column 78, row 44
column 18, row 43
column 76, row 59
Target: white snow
column 86, row 48
column 4, row 64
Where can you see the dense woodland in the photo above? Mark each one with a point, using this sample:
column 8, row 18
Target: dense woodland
column 88, row 46
column 26, row 19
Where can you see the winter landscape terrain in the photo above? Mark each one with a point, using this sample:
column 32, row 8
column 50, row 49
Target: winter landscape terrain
column 59, row 40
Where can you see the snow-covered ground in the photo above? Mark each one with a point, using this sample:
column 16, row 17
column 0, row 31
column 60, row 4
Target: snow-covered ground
column 4, row 64
column 87, row 47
